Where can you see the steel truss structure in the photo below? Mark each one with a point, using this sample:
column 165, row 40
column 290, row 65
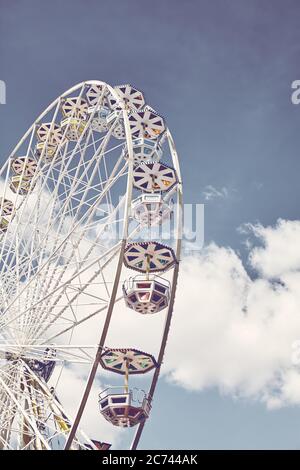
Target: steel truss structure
column 68, row 233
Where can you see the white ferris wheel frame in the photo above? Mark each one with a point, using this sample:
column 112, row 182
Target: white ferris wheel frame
column 88, row 353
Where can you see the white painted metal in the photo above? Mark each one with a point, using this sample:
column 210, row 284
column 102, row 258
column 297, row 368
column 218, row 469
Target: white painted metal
column 61, row 259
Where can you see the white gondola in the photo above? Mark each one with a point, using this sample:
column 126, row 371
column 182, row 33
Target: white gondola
column 20, row 184
column 50, row 132
column 146, row 123
column 73, row 128
column 6, row 207
column 3, row 225
column 50, row 136
column 130, row 98
column 75, row 107
column 144, row 150
column 153, row 177
column 75, row 111
column 6, row 210
column 124, row 408
column 96, row 94
column 46, row 149
column 149, row 257
column 118, row 127
column 99, row 121
column 146, row 294
column 151, row 209
column 26, row 166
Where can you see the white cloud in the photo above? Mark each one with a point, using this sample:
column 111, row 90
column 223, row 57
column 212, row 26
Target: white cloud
column 210, row 193
column 236, row 333
column 280, row 252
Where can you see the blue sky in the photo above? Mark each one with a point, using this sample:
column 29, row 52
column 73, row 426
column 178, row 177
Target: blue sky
column 220, row 71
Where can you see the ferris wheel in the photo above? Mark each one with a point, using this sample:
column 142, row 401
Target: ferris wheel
column 85, row 198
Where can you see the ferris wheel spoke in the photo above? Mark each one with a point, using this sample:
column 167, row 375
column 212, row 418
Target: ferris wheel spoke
column 81, row 321
column 72, row 254
column 31, row 133
column 83, row 288
column 77, row 274
column 62, row 285
column 95, row 275
column 63, row 353
column 56, row 407
column 7, row 407
column 30, row 424
column 63, row 246
column 45, row 182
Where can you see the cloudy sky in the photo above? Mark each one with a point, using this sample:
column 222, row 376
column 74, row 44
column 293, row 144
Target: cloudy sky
column 220, row 71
